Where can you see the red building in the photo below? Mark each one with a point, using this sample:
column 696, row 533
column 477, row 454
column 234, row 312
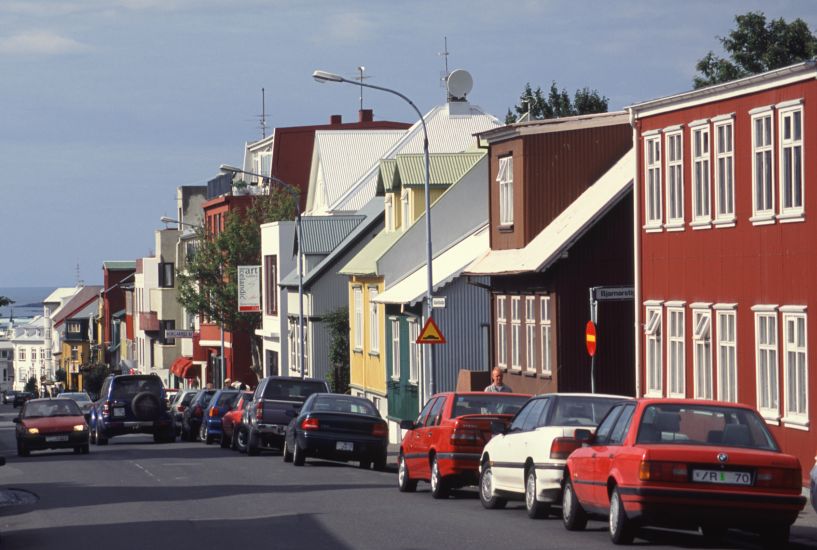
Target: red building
column 115, row 276
column 726, row 266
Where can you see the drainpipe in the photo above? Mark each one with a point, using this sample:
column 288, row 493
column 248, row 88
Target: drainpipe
column 636, row 258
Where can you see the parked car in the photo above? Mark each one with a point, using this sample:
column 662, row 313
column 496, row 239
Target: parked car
column 222, row 401
column 686, row 464
column 21, row 397
column 83, row 400
column 444, row 445
column 525, row 461
column 8, row 396
column 131, row 403
column 231, row 423
column 51, row 423
column 170, row 395
column 275, row 401
column 179, row 405
column 193, row 415
column 813, row 477
column 337, row 427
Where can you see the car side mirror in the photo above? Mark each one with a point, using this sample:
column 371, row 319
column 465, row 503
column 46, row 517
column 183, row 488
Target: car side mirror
column 16, row 420
column 498, row 427
column 407, row 425
column 584, row 436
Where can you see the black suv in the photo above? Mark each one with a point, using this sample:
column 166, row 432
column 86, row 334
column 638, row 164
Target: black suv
column 131, row 403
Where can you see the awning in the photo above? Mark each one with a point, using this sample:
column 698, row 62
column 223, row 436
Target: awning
column 180, row 364
column 446, row 267
column 565, row 229
column 191, row 371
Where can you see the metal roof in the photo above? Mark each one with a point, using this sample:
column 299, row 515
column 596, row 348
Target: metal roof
column 365, row 261
column 118, row 265
column 444, row 168
column 321, row 234
column 550, row 125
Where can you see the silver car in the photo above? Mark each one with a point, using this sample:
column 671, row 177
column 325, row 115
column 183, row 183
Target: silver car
column 82, row 399
column 813, row 494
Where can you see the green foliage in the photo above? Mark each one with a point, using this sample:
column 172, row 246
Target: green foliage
column 94, row 377
column 557, row 103
column 337, row 322
column 5, row 301
column 31, row 385
column 755, row 46
column 60, row 375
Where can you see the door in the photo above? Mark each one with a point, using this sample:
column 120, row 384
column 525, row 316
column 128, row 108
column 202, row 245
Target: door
column 606, row 453
column 583, row 462
column 425, row 438
column 411, row 443
column 525, row 446
column 504, row 457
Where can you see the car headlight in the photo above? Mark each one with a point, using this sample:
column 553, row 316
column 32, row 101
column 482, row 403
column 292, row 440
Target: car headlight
column 79, row 428
column 33, row 431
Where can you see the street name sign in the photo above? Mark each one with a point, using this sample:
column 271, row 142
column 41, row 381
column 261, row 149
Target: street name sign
column 169, row 333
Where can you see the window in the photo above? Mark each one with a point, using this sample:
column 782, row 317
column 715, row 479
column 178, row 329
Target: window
column 374, row 324
column 727, row 356
column 652, row 181
column 389, row 223
column 22, row 354
column 264, row 164
column 700, row 175
column 766, row 363
column 504, row 178
column 73, row 326
column 405, row 219
column 724, row 172
column 763, row 166
column 675, row 180
column 74, row 353
column 652, row 331
column 271, row 285
column 435, row 414
column 702, row 357
column 166, row 275
column 622, row 426
column 357, row 293
column 516, row 332
column 530, row 333
column 545, row 328
column 415, row 357
column 501, row 332
column 395, row 349
column 795, row 366
column 791, row 161
column 165, row 326
column 675, row 352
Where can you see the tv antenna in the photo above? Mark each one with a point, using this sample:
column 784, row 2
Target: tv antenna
column 360, row 78
column 444, row 74
column 262, row 123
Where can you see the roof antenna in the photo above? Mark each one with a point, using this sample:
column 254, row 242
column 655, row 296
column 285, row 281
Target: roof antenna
column 444, row 74
column 360, row 78
column 263, row 117
column 80, row 282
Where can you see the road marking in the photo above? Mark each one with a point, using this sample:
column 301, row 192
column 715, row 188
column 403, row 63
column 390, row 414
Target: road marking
column 148, row 472
column 181, row 464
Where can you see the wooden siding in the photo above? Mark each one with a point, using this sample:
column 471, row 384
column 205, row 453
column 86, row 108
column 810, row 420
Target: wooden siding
column 403, row 396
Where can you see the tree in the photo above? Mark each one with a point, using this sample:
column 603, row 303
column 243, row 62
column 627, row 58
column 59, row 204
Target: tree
column 556, row 104
column 208, row 286
column 31, row 386
column 755, row 46
column 60, row 375
column 5, row 301
column 93, row 377
column 337, row 322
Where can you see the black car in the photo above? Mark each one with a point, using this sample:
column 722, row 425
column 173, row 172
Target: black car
column 194, row 414
column 132, row 403
column 337, row 427
column 22, row 397
column 8, row 396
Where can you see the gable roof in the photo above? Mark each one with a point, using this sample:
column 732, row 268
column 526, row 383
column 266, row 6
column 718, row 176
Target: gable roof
column 321, row 234
column 444, row 168
column 365, row 261
column 76, row 304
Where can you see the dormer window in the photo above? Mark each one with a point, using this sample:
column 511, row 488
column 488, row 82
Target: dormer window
column 390, row 225
column 504, row 178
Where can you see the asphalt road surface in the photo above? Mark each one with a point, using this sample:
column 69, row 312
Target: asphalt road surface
column 134, row 494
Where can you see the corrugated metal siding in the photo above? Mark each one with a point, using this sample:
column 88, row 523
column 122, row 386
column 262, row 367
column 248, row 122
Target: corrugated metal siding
column 322, row 234
column 387, row 176
column 444, row 169
column 449, row 133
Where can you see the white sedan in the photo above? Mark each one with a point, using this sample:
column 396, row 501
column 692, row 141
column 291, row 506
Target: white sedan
column 526, row 460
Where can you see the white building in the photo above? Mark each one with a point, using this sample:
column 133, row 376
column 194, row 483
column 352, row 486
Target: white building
column 31, row 355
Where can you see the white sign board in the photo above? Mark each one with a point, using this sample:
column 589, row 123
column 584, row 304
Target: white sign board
column 438, row 302
column 169, row 333
column 249, row 288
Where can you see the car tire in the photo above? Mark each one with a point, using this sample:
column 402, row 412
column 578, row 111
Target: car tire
column 365, row 465
column 99, row 438
column 775, row 537
column 208, row 437
column 298, row 455
column 439, row 485
column 77, row 450
column 241, row 440
column 92, row 436
column 21, row 449
column 85, row 449
column 252, row 443
column 380, row 463
column 622, row 529
column 486, row 497
column 202, row 432
column 404, row 482
column 146, row 406
column 285, row 454
column 573, row 515
column 223, row 441
column 536, row 509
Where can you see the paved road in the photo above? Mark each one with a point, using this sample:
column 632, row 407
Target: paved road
column 134, row 494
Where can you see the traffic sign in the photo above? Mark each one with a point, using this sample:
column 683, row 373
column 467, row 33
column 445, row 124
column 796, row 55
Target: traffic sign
column 431, row 334
column 590, row 338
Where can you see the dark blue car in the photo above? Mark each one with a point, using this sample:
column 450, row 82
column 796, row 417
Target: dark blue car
column 222, row 401
column 131, row 404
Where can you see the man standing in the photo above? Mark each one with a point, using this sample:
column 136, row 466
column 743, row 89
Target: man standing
column 496, row 382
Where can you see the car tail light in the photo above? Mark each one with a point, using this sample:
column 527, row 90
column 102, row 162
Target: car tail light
column 380, row 430
column 663, row 471
column 181, row 408
column 466, row 434
column 259, row 411
column 779, row 478
column 561, row 447
column 198, row 411
column 213, row 412
column 310, row 424
column 106, row 408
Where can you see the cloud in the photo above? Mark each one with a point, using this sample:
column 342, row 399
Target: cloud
column 39, row 43
column 350, row 27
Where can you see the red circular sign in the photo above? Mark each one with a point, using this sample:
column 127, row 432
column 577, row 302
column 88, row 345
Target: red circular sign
column 590, row 338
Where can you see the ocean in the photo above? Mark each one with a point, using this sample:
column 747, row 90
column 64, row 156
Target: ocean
column 28, row 300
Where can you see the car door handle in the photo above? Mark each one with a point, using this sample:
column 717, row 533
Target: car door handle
column 610, row 455
column 593, row 455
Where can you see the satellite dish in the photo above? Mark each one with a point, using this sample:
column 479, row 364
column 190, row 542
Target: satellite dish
column 459, row 84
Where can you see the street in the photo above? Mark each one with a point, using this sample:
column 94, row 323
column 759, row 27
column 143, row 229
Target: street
column 137, row 494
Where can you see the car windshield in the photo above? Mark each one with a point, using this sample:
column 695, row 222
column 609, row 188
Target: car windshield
column 711, row 425
column 291, row 389
column 226, row 398
column 54, row 407
column 205, row 397
column 79, row 397
column 344, row 404
column 188, row 397
column 580, row 410
column 488, row 404
column 126, row 388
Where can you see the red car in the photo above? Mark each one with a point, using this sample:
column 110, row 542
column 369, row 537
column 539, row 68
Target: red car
column 51, row 423
column 444, row 445
column 686, row 464
column 232, row 419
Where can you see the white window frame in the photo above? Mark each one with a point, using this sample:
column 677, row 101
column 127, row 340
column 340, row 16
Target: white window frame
column 530, row 334
column 389, row 212
column 702, row 352
column 759, row 184
column 676, row 364
column 724, row 179
column 516, row 333
column 504, row 179
column 654, row 352
column 793, row 211
column 374, row 322
column 766, row 369
column 727, row 352
column 701, row 146
column 674, row 154
column 796, row 406
column 546, row 335
column 21, row 354
column 501, row 332
column 415, row 354
column 395, row 349
column 652, row 182
column 357, row 305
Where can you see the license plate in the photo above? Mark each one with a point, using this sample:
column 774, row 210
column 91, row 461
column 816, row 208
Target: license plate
column 119, row 411
column 722, row 477
column 55, row 438
column 345, row 446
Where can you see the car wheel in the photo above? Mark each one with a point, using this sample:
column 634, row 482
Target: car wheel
column 285, row 454
column 99, row 438
column 252, row 444
column 298, row 456
column 439, row 485
column 486, row 489
column 536, row 509
column 380, row 463
column 21, row 449
column 241, row 440
column 775, row 536
column 622, row 530
column 77, row 450
column 573, row 515
column 208, row 437
column 202, row 432
column 92, row 437
column 404, row 482
column 224, row 441
column 365, row 465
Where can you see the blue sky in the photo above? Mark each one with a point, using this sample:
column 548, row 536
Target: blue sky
column 106, row 106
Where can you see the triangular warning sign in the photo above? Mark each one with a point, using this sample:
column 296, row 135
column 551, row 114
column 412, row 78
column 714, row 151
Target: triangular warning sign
column 431, row 333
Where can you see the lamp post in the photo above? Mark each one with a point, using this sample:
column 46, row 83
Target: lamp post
column 227, row 169
column 322, row 77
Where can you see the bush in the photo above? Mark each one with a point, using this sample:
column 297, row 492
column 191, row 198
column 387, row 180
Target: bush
column 31, row 385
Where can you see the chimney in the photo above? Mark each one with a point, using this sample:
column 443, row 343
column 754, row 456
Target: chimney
column 336, row 119
column 365, row 115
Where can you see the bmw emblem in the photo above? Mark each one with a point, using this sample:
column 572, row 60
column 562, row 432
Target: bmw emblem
column 723, row 457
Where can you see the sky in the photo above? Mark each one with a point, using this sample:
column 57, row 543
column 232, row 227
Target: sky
column 107, row 106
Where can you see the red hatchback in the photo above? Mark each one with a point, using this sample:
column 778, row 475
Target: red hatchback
column 232, row 420
column 51, row 424
column 685, row 464
column 444, row 445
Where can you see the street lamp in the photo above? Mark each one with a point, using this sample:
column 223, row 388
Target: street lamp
column 227, row 169
column 322, row 77
column 168, row 219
